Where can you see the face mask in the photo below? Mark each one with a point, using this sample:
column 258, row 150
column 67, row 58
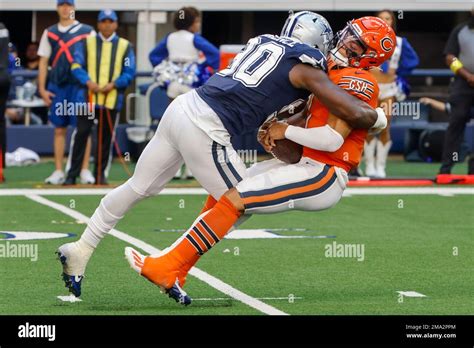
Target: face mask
column 338, row 58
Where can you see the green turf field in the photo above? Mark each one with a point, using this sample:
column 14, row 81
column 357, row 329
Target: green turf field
column 33, row 176
column 409, row 242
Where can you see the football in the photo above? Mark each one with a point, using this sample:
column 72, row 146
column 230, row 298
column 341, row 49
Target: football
column 292, row 111
column 287, row 151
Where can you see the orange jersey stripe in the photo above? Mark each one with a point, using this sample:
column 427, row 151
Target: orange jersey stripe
column 290, row 192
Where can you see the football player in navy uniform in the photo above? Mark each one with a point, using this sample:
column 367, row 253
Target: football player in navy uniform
column 271, row 73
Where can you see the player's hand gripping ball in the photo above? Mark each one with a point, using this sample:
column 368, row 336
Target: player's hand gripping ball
column 283, row 149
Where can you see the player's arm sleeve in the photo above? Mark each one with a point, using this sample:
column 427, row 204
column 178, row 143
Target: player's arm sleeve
column 78, row 65
column 452, row 45
column 210, row 51
column 128, row 70
column 319, row 138
column 159, row 53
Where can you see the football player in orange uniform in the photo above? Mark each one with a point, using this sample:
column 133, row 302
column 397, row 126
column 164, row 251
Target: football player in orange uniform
column 330, row 149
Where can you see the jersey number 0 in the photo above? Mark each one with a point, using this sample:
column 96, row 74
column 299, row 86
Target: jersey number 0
column 255, row 62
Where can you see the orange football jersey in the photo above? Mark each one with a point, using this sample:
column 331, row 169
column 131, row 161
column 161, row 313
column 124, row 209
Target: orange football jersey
column 361, row 84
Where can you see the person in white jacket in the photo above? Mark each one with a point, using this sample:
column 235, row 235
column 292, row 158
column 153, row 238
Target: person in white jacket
column 185, row 46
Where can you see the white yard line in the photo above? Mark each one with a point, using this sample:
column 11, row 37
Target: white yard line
column 446, row 194
column 351, row 191
column 91, row 191
column 258, row 298
column 196, row 272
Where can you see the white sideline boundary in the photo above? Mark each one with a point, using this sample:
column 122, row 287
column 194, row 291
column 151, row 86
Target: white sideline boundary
column 350, row 191
column 196, row 272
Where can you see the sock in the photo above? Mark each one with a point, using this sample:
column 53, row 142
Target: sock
column 174, row 262
column 85, row 247
column 209, row 204
column 110, row 210
column 208, row 229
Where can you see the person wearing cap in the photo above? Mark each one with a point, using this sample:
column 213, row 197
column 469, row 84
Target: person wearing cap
column 105, row 66
column 55, row 50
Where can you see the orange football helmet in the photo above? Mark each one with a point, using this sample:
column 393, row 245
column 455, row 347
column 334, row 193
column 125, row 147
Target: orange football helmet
column 368, row 42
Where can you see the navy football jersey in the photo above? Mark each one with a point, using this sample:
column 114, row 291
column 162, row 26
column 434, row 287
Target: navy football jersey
column 256, row 85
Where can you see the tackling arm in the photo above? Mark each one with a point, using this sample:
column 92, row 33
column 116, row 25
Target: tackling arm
column 345, row 106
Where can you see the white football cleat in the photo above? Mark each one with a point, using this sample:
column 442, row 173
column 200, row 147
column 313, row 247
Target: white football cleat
column 178, row 173
column 87, row 177
column 188, row 175
column 57, row 178
column 135, row 259
column 74, row 257
column 369, row 157
column 370, row 170
column 380, row 172
column 381, row 158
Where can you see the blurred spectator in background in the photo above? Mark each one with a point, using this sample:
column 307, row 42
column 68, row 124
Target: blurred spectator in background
column 13, row 62
column 17, row 116
column 4, row 89
column 31, row 61
column 459, row 53
column 105, row 67
column 393, row 88
column 55, row 51
column 185, row 46
column 436, row 104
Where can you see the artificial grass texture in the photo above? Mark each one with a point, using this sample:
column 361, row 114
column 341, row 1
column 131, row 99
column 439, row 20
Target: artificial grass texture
column 408, row 248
